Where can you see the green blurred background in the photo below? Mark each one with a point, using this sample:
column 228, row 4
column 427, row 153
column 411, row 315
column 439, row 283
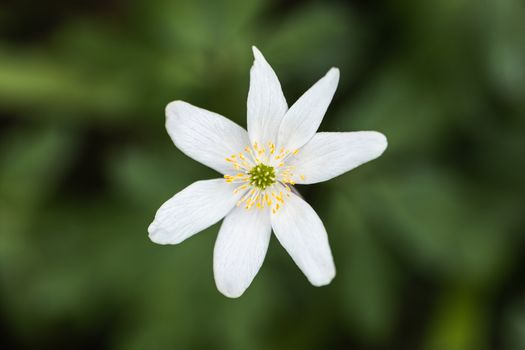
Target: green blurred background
column 428, row 239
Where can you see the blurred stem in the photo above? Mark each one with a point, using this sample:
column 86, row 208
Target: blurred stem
column 460, row 321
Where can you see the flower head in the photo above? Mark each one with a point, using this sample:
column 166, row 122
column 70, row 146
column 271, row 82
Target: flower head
column 260, row 167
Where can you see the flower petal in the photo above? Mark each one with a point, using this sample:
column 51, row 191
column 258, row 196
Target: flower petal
column 240, row 249
column 330, row 154
column 303, row 119
column 193, row 209
column 266, row 102
column 302, row 234
column 207, row 137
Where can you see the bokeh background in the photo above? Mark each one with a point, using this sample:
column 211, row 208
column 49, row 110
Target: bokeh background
column 428, row 239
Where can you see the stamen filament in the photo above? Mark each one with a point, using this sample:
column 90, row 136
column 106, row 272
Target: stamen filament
column 263, row 181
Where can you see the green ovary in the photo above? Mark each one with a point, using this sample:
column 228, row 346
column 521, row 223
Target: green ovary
column 262, row 176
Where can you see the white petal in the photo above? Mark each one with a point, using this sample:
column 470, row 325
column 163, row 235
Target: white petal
column 303, row 119
column 205, row 136
column 266, row 102
column 330, row 154
column 303, row 235
column 240, row 249
column 193, row 209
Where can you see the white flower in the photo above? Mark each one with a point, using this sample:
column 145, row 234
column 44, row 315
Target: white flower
column 280, row 149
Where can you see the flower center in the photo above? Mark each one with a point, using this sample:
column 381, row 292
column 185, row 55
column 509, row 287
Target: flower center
column 262, row 176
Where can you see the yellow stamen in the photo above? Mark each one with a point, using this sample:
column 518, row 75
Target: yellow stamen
column 259, row 179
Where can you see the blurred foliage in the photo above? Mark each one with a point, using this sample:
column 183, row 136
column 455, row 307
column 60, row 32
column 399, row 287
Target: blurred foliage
column 428, row 240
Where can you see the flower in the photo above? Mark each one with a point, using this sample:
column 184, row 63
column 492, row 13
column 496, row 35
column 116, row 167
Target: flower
column 260, row 166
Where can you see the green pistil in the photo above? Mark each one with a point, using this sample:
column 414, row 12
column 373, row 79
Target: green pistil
column 262, row 176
